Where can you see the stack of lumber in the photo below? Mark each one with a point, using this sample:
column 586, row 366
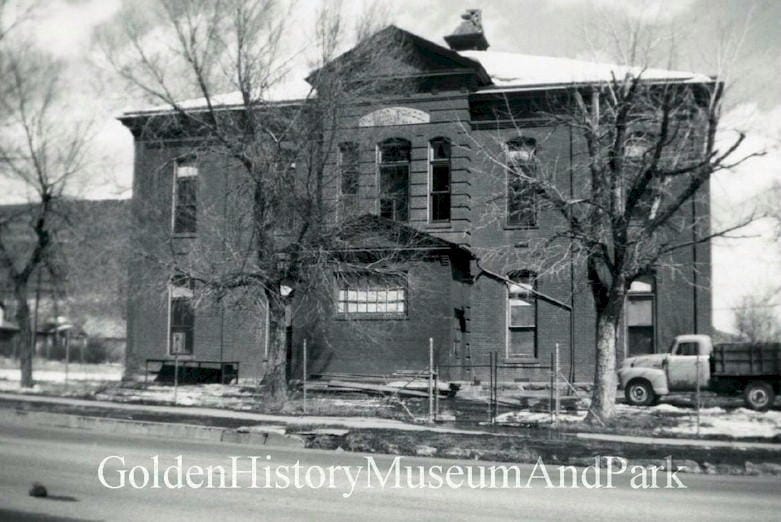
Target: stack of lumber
column 414, row 386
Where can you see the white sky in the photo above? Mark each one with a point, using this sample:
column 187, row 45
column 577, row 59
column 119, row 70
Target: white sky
column 553, row 28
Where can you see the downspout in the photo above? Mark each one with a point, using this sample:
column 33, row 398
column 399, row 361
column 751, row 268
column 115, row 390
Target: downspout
column 571, row 270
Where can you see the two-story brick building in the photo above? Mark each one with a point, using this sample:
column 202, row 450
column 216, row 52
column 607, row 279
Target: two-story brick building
column 421, row 166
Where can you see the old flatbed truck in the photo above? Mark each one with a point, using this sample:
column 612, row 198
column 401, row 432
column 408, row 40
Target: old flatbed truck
column 751, row 369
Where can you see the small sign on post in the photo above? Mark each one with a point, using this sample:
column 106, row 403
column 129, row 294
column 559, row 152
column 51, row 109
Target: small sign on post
column 178, row 347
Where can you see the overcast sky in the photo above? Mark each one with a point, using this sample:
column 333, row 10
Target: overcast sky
column 747, row 29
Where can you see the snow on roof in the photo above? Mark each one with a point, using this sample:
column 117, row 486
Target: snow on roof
column 288, row 91
column 524, row 70
column 506, row 70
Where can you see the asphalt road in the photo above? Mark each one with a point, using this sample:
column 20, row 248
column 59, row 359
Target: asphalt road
column 67, row 462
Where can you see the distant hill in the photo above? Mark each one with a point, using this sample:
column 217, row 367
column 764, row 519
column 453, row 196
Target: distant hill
column 91, row 286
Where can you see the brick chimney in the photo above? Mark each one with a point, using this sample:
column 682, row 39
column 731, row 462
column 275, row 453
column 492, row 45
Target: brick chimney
column 468, row 36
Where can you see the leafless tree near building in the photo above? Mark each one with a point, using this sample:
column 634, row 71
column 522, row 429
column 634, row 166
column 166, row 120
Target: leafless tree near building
column 39, row 156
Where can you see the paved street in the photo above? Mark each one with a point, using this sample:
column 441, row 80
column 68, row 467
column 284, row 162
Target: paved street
column 66, row 462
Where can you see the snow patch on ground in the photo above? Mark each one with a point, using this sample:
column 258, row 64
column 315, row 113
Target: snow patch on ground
column 674, row 420
column 59, row 376
column 54, row 371
column 206, row 395
column 739, row 423
column 534, row 417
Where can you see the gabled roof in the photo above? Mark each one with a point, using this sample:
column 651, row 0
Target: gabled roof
column 403, row 36
column 374, row 233
column 524, row 70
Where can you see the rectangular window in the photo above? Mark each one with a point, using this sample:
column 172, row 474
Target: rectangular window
column 185, row 209
column 521, row 198
column 394, row 161
column 439, row 196
column 521, row 316
column 181, row 317
column 348, row 179
column 640, row 317
column 366, row 295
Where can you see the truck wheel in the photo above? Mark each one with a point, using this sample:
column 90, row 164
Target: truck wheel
column 759, row 395
column 640, row 393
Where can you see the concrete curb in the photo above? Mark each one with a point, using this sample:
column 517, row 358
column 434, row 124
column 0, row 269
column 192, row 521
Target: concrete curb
column 271, row 437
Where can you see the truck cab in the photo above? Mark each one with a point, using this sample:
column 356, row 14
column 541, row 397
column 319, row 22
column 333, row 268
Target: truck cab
column 645, row 378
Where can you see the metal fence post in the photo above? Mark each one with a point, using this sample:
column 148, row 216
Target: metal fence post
column 431, row 379
column 176, row 375
column 304, row 376
column 550, row 398
column 556, row 383
column 495, row 388
column 490, row 387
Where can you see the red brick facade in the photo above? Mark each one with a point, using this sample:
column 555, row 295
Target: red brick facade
column 451, row 299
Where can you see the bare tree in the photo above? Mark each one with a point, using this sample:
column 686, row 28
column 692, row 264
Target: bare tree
column 280, row 226
column 647, row 147
column 39, row 156
column 756, row 320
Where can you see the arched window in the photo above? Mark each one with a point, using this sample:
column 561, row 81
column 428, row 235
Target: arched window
column 439, row 181
column 521, row 200
column 521, row 314
column 393, row 158
column 348, row 179
column 641, row 316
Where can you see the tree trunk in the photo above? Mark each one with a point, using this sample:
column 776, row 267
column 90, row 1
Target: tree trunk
column 275, row 376
column 25, row 343
column 603, row 396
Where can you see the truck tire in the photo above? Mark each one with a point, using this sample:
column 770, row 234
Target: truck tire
column 639, row 392
column 759, row 395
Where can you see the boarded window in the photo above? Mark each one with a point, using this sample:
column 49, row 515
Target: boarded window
column 182, row 317
column 185, row 207
column 521, row 315
column 439, row 195
column 366, row 294
column 521, row 198
column 394, row 162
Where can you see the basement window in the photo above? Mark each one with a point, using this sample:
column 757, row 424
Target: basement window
column 371, row 295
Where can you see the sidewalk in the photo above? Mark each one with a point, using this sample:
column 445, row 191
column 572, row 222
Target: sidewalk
column 359, row 423
column 249, row 417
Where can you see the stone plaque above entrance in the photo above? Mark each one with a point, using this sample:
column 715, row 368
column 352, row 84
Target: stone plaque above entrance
column 394, row 116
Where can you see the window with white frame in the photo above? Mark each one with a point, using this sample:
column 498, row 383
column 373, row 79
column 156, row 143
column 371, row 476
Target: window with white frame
column 522, row 169
column 393, row 158
column 185, row 200
column 439, row 182
column 181, row 318
column 521, row 315
column 371, row 294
